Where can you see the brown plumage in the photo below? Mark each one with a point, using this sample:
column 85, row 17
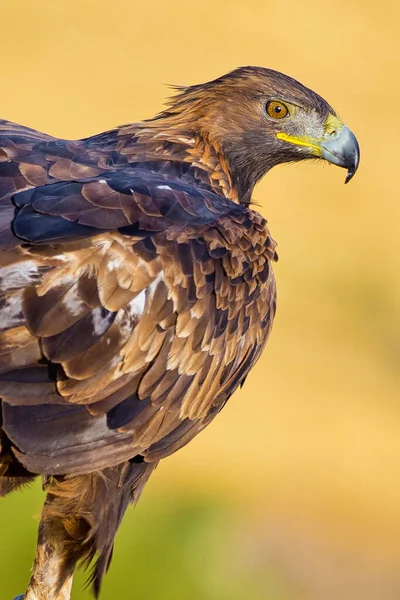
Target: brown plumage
column 136, row 293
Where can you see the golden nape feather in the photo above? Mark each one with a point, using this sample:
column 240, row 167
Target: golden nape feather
column 136, row 294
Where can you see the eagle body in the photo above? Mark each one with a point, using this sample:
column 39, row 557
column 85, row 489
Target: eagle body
column 136, row 294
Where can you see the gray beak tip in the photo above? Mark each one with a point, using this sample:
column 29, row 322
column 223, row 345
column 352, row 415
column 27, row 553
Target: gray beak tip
column 350, row 174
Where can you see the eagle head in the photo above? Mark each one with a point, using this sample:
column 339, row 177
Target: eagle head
column 258, row 118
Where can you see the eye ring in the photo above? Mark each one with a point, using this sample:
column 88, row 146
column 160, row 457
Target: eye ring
column 276, row 109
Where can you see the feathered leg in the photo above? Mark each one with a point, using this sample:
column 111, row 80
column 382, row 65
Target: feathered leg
column 53, row 568
column 80, row 518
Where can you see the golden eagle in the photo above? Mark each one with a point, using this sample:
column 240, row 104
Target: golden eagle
column 136, row 293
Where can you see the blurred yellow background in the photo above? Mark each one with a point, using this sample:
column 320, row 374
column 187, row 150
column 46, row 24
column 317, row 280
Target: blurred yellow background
column 293, row 493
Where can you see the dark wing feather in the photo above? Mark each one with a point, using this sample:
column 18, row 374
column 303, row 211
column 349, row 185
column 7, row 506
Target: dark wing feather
column 134, row 202
column 132, row 305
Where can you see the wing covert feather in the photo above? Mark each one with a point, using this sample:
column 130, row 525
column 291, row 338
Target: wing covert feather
column 132, row 305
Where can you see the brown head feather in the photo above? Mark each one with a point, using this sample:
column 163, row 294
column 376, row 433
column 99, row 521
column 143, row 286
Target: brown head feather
column 221, row 126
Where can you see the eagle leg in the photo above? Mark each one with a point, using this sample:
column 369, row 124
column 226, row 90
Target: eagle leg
column 52, row 569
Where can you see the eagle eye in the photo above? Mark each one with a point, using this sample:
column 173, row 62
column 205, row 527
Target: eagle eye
column 276, row 110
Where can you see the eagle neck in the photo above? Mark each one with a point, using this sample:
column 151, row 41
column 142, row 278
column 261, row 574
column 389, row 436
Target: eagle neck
column 156, row 141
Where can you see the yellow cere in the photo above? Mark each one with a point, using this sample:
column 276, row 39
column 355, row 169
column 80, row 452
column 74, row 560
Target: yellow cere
column 332, row 125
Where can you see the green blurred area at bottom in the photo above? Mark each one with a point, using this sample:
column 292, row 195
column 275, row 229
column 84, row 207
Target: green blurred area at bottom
column 177, row 547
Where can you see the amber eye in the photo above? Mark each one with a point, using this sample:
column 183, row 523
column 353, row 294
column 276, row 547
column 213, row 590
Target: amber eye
column 277, row 110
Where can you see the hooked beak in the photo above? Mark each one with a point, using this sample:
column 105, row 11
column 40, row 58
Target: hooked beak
column 342, row 150
column 338, row 145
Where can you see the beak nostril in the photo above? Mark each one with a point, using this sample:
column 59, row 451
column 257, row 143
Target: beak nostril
column 333, row 133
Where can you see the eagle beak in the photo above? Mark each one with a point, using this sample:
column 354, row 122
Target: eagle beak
column 342, row 150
